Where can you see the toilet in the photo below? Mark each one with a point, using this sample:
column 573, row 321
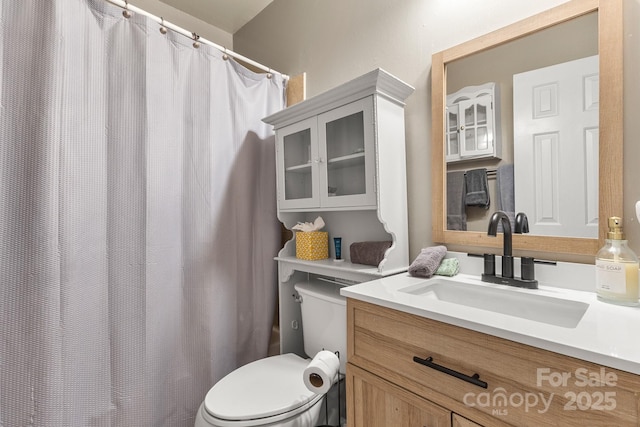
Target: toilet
column 271, row 391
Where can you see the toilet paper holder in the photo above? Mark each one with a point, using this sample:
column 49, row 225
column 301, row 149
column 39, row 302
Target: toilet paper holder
column 326, row 405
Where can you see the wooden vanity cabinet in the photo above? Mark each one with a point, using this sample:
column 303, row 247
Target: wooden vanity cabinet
column 525, row 386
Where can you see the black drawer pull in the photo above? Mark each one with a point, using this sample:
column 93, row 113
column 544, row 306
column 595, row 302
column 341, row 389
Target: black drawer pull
column 474, row 379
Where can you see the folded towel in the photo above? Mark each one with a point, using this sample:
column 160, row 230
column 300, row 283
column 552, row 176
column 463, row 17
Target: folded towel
column 427, row 262
column 448, row 267
column 368, row 253
column 477, row 188
column 456, row 211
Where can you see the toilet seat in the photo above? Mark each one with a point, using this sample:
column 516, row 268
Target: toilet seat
column 264, row 391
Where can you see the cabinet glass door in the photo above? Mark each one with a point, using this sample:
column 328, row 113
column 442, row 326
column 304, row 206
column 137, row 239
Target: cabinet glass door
column 477, row 126
column 346, row 155
column 453, row 144
column 297, row 150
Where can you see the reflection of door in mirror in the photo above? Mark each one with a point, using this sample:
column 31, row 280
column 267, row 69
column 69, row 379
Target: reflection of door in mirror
column 555, row 117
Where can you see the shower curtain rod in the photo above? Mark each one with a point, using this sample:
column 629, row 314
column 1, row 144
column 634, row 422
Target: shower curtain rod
column 129, row 7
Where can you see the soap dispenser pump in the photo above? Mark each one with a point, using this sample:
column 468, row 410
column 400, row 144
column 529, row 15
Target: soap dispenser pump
column 617, row 268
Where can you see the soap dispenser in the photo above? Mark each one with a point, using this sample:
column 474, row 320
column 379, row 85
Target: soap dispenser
column 617, row 268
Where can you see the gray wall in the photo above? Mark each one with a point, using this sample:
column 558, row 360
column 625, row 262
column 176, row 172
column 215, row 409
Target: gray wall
column 188, row 22
column 334, row 41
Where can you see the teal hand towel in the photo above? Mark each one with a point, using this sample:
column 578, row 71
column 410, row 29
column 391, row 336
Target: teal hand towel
column 448, row 267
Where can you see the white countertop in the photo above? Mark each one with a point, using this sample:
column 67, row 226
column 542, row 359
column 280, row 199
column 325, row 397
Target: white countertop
column 607, row 334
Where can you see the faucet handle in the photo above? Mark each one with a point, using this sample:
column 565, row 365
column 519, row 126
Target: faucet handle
column 522, row 223
column 527, row 268
column 490, row 264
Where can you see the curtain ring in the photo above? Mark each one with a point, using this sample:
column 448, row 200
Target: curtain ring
column 269, row 74
column 224, row 55
column 126, row 13
column 196, row 43
column 163, row 29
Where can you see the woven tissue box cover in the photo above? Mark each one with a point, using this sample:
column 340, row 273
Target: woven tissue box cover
column 312, row 245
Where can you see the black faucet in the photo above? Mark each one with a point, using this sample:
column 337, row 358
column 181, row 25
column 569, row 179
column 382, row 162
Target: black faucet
column 522, row 223
column 521, row 226
column 507, row 257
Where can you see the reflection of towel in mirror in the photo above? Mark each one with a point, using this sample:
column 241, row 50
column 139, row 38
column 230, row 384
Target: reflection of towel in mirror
column 477, row 188
column 456, row 212
column 428, row 261
column 506, row 193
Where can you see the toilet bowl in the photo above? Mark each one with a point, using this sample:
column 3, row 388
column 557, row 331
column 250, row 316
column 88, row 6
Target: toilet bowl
column 271, row 392
column 267, row 392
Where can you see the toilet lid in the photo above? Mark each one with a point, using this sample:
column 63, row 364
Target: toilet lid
column 264, row 388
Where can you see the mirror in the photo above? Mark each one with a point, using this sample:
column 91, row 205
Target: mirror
column 450, row 65
column 563, row 131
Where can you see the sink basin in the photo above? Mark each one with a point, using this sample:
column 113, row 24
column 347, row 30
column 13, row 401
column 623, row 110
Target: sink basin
column 525, row 305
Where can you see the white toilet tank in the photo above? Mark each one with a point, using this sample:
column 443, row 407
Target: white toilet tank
column 324, row 318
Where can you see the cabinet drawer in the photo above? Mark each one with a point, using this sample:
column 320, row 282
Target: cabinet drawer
column 525, row 386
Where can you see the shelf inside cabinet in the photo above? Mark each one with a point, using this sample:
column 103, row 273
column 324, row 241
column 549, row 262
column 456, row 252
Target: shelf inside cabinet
column 346, row 161
column 303, row 168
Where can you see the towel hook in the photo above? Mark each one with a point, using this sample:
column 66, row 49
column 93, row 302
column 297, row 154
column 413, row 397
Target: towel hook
column 195, row 37
column 163, row 29
column 126, row 13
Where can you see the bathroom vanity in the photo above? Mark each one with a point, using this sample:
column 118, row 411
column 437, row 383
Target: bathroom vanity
column 461, row 352
column 435, row 352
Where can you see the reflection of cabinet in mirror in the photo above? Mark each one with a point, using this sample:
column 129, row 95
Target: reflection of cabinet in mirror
column 473, row 123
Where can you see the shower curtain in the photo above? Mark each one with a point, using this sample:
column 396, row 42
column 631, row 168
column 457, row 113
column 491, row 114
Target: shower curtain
column 137, row 217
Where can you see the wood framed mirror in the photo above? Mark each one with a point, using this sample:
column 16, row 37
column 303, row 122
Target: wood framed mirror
column 609, row 17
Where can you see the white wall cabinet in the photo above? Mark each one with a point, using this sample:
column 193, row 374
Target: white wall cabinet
column 472, row 127
column 328, row 161
column 341, row 155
